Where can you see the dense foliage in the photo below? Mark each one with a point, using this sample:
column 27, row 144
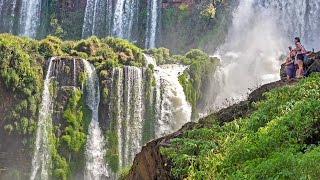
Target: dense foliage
column 21, row 75
column 198, row 76
column 279, row 140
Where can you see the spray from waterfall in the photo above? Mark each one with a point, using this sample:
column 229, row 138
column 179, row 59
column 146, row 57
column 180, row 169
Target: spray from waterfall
column 260, row 33
column 30, row 17
column 171, row 104
column 42, row 158
column 249, row 57
column 96, row 168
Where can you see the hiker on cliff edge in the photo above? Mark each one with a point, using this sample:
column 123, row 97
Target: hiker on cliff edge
column 290, row 66
column 300, row 55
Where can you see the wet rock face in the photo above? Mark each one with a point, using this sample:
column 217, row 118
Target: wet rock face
column 66, row 70
column 150, row 164
column 65, row 77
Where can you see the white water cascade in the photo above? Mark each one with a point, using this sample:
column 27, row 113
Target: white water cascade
column 119, row 18
column 30, row 17
column 96, row 18
column 125, row 12
column 7, row 15
column 128, row 106
column 152, row 23
column 42, row 158
column 295, row 18
column 172, row 107
column 261, row 32
column 96, row 168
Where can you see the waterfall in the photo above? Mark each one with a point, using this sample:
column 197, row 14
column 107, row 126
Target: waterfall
column 173, row 110
column 152, row 20
column 118, row 19
column 260, row 33
column 127, row 102
column 128, row 105
column 30, row 17
column 124, row 16
column 96, row 168
column 7, row 15
column 42, row 158
column 296, row 18
column 95, row 18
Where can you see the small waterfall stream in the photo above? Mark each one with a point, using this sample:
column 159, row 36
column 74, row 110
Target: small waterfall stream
column 41, row 158
column 30, row 17
column 152, row 21
column 95, row 165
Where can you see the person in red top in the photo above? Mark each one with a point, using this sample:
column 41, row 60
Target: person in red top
column 301, row 52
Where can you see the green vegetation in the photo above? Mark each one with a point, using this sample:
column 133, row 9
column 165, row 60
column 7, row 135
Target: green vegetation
column 70, row 142
column 75, row 134
column 197, row 76
column 21, row 75
column 279, row 140
column 149, row 123
column 202, row 24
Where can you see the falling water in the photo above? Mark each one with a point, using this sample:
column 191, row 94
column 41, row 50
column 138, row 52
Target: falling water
column 95, row 18
column 260, row 33
column 128, row 104
column 12, row 17
column 249, row 57
column 96, row 168
column 296, row 18
column 152, row 23
column 125, row 13
column 7, row 15
column 30, row 17
column 42, row 158
column 173, row 110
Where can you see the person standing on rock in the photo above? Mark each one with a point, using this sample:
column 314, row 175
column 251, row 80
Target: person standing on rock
column 290, row 66
column 300, row 53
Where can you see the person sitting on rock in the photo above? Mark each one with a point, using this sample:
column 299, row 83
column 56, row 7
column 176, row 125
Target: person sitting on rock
column 290, row 66
column 300, row 54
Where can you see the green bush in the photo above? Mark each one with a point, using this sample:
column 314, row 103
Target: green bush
column 279, row 140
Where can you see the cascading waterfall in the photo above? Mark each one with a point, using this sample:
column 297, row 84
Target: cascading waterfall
column 95, row 18
column 152, row 20
column 128, row 105
column 30, row 17
column 117, row 19
column 96, row 168
column 260, row 33
column 125, row 13
column 42, row 158
column 127, row 102
column 173, row 110
column 296, row 18
column 7, row 15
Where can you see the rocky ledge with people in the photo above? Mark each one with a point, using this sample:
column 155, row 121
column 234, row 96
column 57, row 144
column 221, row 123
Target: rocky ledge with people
column 311, row 64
